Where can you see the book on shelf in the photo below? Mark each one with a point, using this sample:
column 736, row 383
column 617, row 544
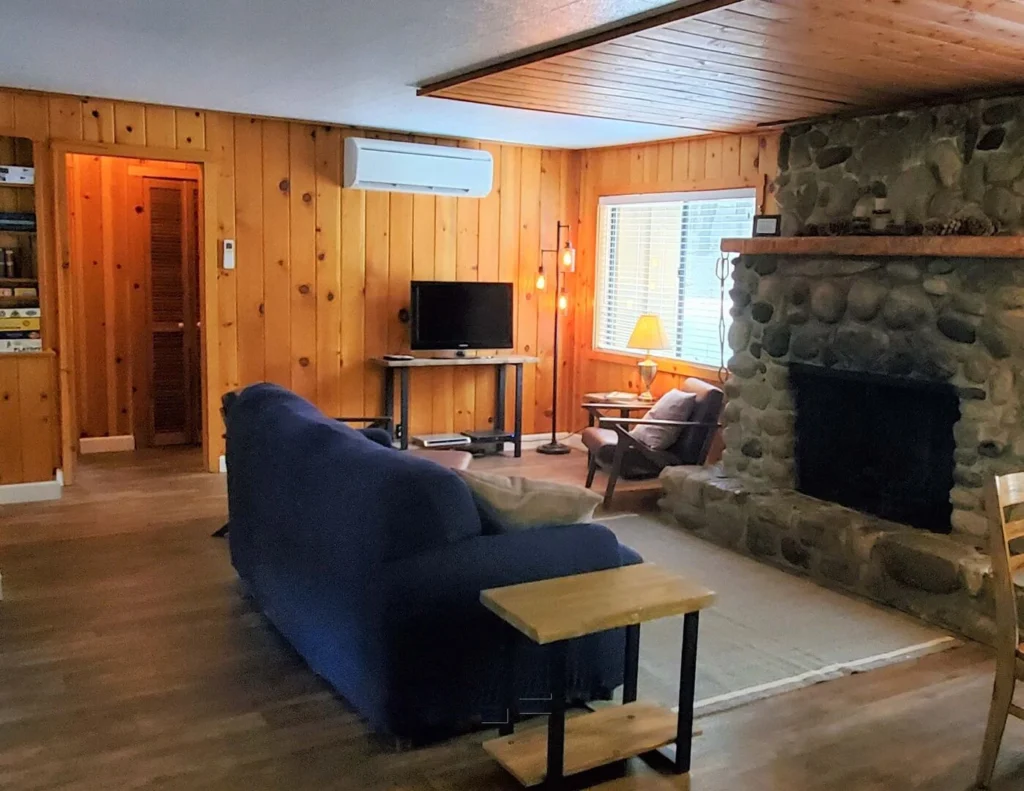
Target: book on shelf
column 21, row 345
column 17, row 221
column 19, row 324
column 614, row 397
column 18, row 313
column 19, row 335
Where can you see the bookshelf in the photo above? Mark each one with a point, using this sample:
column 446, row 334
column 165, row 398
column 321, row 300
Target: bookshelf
column 20, row 314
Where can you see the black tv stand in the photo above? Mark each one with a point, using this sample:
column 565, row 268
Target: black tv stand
column 500, row 365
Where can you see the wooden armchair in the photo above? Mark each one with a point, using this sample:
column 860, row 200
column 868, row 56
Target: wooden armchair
column 1004, row 492
column 612, row 448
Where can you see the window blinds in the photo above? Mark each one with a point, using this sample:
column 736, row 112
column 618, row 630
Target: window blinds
column 657, row 254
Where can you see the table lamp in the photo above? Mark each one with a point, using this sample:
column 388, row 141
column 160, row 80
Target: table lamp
column 648, row 334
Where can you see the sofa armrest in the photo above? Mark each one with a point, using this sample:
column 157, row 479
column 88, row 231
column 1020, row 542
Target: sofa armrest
column 447, row 582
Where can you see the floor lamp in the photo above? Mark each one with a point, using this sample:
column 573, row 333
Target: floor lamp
column 565, row 262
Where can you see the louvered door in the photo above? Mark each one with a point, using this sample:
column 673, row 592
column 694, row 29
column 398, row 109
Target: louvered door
column 173, row 302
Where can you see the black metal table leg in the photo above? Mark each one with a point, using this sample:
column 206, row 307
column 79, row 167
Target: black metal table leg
column 519, row 411
column 556, row 723
column 687, row 676
column 388, row 397
column 510, row 696
column 404, row 406
column 500, row 377
column 632, row 663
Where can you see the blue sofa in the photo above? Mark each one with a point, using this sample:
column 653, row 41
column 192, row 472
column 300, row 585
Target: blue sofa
column 370, row 562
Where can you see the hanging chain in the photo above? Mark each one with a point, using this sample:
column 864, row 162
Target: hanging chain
column 722, row 272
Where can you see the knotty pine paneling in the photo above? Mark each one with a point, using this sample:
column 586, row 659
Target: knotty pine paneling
column 28, row 417
column 677, row 166
column 322, row 271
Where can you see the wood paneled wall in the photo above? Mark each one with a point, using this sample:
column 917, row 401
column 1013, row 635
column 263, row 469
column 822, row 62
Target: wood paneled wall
column 321, row 271
column 28, row 417
column 109, row 296
column 708, row 163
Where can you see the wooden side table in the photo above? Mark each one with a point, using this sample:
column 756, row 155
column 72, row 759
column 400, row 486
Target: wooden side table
column 557, row 610
column 595, row 407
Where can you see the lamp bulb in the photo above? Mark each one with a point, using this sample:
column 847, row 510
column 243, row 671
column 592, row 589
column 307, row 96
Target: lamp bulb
column 541, row 282
column 563, row 302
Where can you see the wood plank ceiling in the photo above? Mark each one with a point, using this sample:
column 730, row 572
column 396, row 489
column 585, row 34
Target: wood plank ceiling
column 732, row 66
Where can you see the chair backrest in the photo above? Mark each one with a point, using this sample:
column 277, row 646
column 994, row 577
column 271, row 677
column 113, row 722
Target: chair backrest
column 695, row 441
column 1005, row 492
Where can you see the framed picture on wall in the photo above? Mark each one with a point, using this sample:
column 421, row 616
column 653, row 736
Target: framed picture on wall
column 767, row 225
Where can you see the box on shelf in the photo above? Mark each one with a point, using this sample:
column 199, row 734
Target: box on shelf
column 18, row 313
column 21, row 345
column 20, row 324
column 14, row 174
column 24, row 291
column 17, row 221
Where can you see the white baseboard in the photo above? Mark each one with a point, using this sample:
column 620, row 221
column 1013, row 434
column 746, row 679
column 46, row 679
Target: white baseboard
column 39, row 491
column 115, row 444
column 223, row 467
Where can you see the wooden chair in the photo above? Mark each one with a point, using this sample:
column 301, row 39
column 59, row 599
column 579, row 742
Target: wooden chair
column 1004, row 492
column 611, row 447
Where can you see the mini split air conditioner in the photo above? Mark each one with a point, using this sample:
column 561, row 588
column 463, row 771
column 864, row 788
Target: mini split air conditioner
column 393, row 166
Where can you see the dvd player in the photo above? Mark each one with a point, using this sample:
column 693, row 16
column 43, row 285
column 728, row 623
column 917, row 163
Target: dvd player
column 441, row 440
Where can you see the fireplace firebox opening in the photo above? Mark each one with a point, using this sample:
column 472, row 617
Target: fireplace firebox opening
column 878, row 444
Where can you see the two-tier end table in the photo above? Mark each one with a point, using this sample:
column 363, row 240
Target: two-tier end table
column 555, row 611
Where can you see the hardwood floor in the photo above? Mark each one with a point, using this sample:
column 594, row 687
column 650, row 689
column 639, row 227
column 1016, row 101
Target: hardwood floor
column 128, row 659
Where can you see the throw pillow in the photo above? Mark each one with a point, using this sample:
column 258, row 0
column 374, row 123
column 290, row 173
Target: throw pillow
column 674, row 405
column 523, row 502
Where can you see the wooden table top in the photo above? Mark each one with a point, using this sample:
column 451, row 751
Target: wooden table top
column 441, row 362
column 617, row 404
column 565, row 607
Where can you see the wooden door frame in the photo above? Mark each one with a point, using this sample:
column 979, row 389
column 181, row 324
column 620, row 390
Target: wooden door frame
column 208, row 271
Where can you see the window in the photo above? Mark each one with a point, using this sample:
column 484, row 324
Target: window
column 658, row 254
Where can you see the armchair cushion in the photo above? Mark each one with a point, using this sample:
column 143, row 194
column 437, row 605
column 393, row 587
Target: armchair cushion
column 601, row 442
column 674, row 405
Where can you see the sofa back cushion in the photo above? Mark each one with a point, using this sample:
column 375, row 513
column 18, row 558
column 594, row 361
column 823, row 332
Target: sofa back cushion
column 519, row 502
column 310, row 483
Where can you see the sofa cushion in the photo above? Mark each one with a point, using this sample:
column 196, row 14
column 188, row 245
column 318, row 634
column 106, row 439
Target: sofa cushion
column 674, row 405
column 523, row 502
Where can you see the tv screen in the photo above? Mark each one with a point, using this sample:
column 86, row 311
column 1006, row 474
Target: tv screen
column 461, row 315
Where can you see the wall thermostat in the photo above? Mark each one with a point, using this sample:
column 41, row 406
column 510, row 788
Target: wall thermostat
column 229, row 254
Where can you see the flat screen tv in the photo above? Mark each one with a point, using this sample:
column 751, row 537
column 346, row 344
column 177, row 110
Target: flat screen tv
column 449, row 315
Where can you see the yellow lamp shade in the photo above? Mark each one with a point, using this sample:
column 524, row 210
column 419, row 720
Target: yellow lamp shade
column 648, row 334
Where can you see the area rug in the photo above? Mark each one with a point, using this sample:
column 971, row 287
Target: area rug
column 768, row 632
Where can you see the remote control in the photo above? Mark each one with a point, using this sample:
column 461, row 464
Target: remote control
column 398, row 357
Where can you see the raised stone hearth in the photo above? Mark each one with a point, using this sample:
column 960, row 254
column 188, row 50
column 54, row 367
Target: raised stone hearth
column 953, row 325
column 943, row 579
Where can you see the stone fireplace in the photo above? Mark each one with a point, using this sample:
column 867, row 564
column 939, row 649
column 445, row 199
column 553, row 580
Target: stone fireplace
column 869, row 401
column 877, row 383
column 870, row 398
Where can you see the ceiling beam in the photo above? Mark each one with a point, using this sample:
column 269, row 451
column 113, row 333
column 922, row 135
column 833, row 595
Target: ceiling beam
column 616, row 30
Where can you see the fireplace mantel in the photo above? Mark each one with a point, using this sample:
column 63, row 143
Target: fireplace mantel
column 879, row 246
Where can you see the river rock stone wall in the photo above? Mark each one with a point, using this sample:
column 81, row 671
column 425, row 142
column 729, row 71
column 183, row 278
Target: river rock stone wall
column 933, row 163
column 959, row 321
column 944, row 579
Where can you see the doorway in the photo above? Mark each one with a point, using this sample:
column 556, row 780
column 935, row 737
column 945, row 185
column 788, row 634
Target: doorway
column 134, row 244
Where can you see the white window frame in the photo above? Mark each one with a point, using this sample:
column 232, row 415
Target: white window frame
column 655, row 197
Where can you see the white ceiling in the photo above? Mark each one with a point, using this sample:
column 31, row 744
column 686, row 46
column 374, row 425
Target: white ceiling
column 352, row 62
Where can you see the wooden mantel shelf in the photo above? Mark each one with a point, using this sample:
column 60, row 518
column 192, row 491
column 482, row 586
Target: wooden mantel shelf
column 894, row 246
